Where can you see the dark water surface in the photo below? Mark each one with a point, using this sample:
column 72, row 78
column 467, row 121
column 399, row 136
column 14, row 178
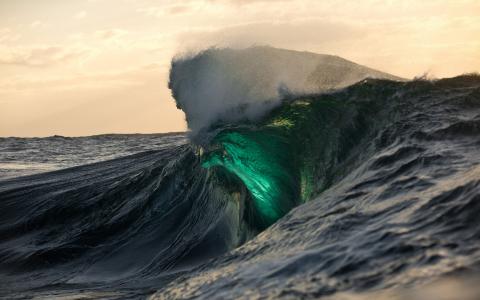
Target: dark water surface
column 366, row 190
column 26, row 156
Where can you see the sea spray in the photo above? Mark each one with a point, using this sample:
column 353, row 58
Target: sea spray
column 234, row 85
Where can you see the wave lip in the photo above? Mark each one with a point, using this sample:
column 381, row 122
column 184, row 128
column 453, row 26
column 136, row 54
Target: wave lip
column 237, row 84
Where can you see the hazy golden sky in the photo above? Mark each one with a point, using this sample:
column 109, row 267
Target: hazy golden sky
column 101, row 66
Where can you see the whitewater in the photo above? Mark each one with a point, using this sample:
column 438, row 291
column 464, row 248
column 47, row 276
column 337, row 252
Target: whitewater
column 302, row 176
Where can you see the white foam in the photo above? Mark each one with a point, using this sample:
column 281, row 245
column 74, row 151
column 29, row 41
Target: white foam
column 233, row 84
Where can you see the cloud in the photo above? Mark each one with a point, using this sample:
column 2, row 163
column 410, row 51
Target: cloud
column 37, row 24
column 110, row 34
column 178, row 9
column 80, row 15
column 151, row 11
column 300, row 33
column 135, row 76
column 242, row 2
column 159, row 12
column 184, row 7
column 88, row 103
column 39, row 55
column 7, row 35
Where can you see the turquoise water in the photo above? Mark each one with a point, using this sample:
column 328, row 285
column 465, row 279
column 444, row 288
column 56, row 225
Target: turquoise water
column 261, row 160
column 299, row 150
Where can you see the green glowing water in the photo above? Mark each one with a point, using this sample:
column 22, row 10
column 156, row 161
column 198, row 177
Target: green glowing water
column 261, row 161
column 292, row 155
column 263, row 157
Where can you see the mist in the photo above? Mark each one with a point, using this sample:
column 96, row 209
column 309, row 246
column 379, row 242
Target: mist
column 229, row 85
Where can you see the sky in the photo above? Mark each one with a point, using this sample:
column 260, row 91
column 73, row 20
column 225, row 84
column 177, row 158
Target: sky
column 84, row 67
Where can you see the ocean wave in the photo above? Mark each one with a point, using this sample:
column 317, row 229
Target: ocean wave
column 367, row 187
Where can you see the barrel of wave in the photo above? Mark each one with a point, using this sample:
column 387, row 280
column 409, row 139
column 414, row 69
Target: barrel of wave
column 261, row 160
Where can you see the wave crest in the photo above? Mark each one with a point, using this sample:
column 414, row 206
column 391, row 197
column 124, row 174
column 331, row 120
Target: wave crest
column 229, row 85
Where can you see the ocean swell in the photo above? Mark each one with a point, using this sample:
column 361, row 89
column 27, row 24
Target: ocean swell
column 359, row 188
column 392, row 169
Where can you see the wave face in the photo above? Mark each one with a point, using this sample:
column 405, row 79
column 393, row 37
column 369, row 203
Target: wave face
column 370, row 187
column 123, row 222
column 392, row 169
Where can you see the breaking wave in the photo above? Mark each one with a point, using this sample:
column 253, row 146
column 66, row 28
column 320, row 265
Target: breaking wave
column 231, row 85
column 371, row 186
